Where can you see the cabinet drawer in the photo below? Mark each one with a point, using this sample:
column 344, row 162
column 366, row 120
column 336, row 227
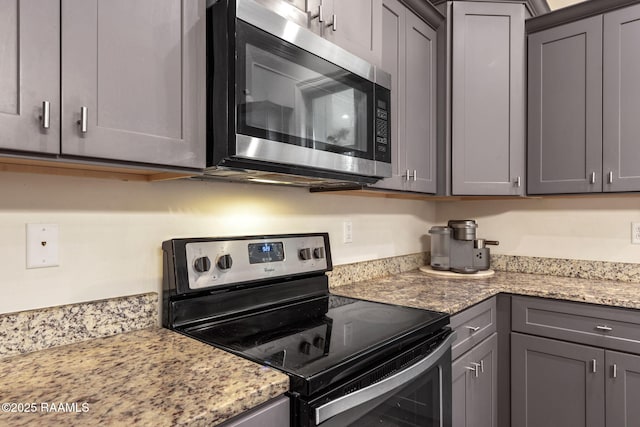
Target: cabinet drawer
column 607, row 327
column 472, row 326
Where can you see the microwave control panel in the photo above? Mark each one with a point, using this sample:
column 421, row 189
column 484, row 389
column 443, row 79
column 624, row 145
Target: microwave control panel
column 382, row 127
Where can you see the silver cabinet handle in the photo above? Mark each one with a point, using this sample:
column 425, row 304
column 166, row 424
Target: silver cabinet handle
column 473, row 329
column 518, row 182
column 334, row 22
column 594, row 366
column 410, row 176
column 592, row 178
column 473, row 368
column 317, row 15
column 614, row 371
column 399, row 379
column 482, row 366
column 610, row 177
column 83, row 119
column 45, row 118
column 604, row 328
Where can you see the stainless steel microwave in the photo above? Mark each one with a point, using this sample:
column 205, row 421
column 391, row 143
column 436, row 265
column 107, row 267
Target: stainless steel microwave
column 285, row 105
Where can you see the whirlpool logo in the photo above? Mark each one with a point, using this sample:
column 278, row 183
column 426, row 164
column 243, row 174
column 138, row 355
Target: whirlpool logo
column 269, row 270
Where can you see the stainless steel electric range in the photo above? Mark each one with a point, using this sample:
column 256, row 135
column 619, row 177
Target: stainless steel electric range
column 350, row 362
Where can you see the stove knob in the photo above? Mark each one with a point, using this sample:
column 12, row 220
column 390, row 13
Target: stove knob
column 225, row 262
column 305, row 347
column 202, row 264
column 318, row 253
column 318, row 342
column 304, row 254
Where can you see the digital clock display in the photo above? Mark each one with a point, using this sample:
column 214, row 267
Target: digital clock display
column 266, row 252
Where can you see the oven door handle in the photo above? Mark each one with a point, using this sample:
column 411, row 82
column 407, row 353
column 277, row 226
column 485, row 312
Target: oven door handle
column 344, row 403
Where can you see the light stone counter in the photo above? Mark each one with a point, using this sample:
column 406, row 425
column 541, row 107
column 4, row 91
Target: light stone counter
column 151, row 377
column 417, row 289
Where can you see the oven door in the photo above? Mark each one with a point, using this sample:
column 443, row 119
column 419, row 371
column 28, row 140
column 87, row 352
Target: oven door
column 293, row 107
column 417, row 395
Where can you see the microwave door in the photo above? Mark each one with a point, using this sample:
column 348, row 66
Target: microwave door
column 336, row 115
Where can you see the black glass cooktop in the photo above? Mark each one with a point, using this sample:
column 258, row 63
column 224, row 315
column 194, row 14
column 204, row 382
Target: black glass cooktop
column 322, row 340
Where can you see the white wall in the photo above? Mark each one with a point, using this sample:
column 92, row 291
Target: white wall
column 111, row 231
column 595, row 228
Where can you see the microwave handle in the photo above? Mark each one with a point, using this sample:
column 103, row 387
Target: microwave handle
column 344, row 403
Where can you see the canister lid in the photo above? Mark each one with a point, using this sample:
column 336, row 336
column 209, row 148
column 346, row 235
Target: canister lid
column 439, row 229
column 462, row 223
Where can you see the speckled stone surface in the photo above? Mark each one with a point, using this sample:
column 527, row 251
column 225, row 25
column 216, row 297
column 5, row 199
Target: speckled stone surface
column 416, row 289
column 152, row 377
column 625, row 272
column 350, row 273
column 28, row 331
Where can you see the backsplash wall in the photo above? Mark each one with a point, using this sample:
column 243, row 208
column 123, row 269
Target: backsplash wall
column 596, row 228
column 111, row 231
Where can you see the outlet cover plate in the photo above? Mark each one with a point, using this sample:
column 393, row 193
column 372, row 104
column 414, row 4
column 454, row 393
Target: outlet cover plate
column 42, row 245
column 635, row 233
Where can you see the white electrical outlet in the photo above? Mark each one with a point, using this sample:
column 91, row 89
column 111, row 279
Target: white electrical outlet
column 347, row 232
column 635, row 233
column 42, row 245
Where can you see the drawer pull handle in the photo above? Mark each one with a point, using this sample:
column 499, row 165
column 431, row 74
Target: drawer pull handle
column 473, row 329
column 604, row 328
column 614, row 371
column 594, row 366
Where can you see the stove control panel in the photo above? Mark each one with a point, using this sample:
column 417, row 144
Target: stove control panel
column 226, row 262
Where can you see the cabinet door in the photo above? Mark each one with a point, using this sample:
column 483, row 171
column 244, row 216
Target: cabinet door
column 357, row 26
column 553, row 383
column 29, row 75
column 621, row 100
column 623, row 389
column 138, row 68
column 420, row 108
column 565, row 109
column 394, row 62
column 475, row 381
column 274, row 413
column 488, row 99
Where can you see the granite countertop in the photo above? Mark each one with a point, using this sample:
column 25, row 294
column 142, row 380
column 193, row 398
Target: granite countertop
column 417, row 289
column 153, row 377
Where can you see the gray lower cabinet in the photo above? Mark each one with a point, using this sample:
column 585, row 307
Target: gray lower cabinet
column 274, row 413
column 583, row 101
column 572, row 364
column 30, row 76
column 130, row 75
column 132, row 81
column 486, row 61
column 475, row 386
column 556, row 383
column 623, row 389
column 409, row 50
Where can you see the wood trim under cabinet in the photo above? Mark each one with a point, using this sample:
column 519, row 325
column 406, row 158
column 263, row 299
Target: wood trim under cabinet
column 87, row 170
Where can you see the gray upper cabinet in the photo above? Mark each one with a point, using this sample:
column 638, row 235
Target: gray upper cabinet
column 354, row 25
column 565, row 108
column 30, row 76
column 584, row 96
column 487, row 102
column 621, row 100
column 409, row 54
column 135, row 73
column 475, row 386
column 556, row 383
